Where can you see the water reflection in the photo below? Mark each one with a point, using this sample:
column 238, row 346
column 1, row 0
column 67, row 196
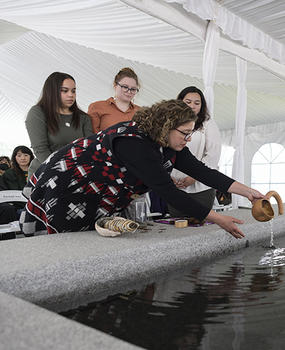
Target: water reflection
column 234, row 303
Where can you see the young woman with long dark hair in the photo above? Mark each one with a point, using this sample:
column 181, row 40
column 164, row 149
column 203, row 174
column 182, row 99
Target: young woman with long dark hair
column 205, row 145
column 56, row 119
column 15, row 178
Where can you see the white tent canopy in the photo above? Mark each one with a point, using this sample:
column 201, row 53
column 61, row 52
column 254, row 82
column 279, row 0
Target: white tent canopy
column 162, row 40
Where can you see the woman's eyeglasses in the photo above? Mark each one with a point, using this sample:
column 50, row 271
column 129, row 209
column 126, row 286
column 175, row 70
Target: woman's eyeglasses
column 125, row 88
column 187, row 135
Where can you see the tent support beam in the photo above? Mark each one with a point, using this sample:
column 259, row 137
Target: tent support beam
column 176, row 16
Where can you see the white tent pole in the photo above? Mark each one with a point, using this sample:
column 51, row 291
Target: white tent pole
column 210, row 60
column 241, row 107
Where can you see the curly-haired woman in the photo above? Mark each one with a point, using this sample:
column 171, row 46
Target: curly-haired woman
column 100, row 175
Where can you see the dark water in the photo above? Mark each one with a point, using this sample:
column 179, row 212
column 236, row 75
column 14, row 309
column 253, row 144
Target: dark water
column 237, row 302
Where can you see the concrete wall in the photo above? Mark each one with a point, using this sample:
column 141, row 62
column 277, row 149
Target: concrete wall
column 60, row 272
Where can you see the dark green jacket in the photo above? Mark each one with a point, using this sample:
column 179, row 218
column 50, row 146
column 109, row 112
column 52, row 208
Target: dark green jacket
column 10, row 180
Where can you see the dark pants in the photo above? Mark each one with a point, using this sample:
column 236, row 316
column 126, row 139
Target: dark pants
column 7, row 213
column 206, row 198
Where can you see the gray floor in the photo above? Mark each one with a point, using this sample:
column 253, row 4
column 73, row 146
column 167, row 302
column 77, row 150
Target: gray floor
column 60, row 272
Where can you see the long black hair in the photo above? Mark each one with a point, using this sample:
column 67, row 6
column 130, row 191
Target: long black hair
column 50, row 101
column 15, row 165
column 203, row 115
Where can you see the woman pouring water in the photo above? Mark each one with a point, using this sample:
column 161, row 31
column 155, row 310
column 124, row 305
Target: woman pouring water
column 100, row 175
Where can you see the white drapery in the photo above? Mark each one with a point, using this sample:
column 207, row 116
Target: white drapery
column 114, row 27
column 235, row 27
column 241, row 107
column 28, row 60
column 210, row 60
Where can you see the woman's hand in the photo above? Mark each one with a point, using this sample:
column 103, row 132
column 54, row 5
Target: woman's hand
column 245, row 191
column 253, row 195
column 228, row 223
column 184, row 182
column 187, row 181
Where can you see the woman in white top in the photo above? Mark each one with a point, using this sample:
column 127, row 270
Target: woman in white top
column 205, row 145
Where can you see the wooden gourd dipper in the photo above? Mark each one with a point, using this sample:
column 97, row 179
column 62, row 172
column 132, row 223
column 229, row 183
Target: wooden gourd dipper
column 262, row 209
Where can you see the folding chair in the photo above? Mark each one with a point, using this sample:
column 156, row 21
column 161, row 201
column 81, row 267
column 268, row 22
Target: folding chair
column 8, row 231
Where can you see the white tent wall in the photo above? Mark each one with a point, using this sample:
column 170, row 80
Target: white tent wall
column 13, row 130
column 162, row 41
column 36, row 55
column 255, row 137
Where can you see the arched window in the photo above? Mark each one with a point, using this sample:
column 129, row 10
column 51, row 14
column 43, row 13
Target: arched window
column 268, row 169
column 226, row 160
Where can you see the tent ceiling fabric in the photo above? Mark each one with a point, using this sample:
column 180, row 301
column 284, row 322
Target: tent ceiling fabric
column 238, row 28
column 115, row 28
column 10, row 31
column 92, row 40
column 267, row 15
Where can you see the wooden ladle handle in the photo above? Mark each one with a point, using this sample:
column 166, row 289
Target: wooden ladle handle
column 278, row 199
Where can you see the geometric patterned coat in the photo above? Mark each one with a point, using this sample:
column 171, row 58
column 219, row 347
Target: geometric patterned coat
column 80, row 183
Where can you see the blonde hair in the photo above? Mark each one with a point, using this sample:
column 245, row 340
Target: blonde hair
column 157, row 121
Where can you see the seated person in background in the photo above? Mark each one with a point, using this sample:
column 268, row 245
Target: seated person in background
column 8, row 213
column 4, row 164
column 119, row 108
column 16, row 177
column 99, row 176
column 205, row 145
column 56, row 120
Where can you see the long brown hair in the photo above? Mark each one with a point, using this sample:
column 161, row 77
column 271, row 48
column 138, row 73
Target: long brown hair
column 156, row 121
column 50, row 102
column 203, row 115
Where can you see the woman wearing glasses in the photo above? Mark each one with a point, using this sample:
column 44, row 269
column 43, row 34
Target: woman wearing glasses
column 100, row 175
column 119, row 108
column 205, row 145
